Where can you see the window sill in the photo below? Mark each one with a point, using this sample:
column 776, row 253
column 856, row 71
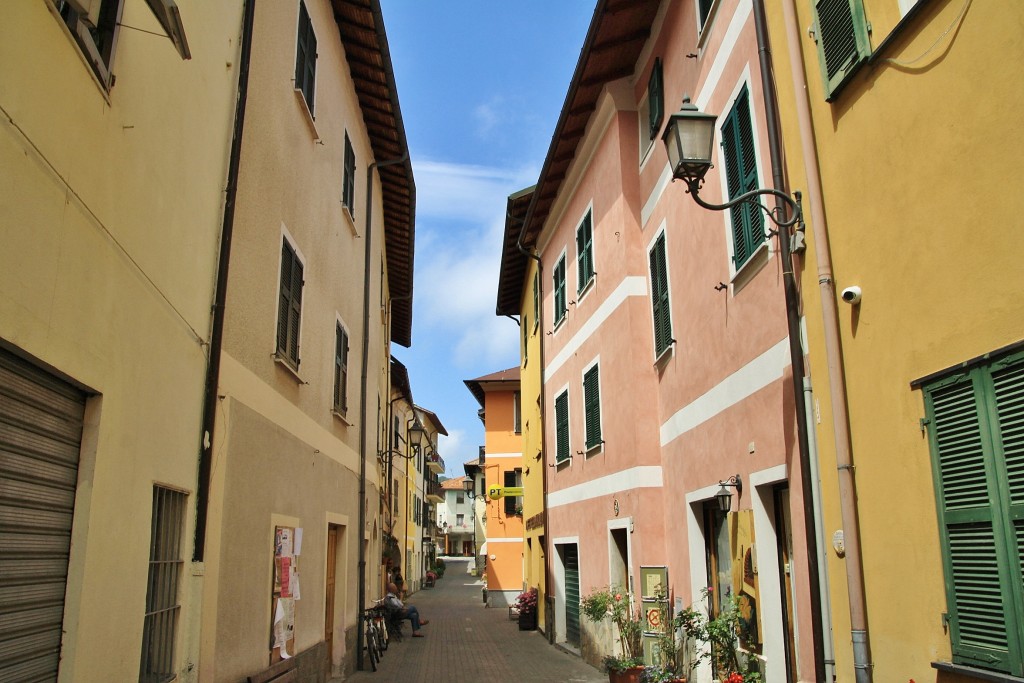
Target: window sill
column 705, row 30
column 595, row 449
column 310, row 119
column 751, row 267
column 978, row 674
column 559, row 323
column 563, row 463
column 285, row 363
column 341, row 417
column 662, row 359
column 350, row 220
column 585, row 289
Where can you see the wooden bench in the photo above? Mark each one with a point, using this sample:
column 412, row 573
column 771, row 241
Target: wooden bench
column 284, row 671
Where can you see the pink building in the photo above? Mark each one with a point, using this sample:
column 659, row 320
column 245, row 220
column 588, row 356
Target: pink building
column 666, row 359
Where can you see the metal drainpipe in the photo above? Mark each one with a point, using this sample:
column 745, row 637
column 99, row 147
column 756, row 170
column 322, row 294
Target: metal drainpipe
column 796, row 352
column 365, row 362
column 833, row 352
column 548, row 583
column 221, row 292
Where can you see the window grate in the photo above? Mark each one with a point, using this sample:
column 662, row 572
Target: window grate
column 162, row 606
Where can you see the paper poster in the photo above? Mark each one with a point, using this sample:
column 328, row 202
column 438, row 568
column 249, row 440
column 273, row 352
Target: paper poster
column 298, row 542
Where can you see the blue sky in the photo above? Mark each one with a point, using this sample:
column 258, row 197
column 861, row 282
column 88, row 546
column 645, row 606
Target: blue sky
column 481, row 85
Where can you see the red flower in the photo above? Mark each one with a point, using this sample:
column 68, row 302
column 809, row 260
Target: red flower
column 618, row 597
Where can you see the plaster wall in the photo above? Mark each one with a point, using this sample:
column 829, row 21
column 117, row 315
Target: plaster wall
column 916, row 204
column 505, row 542
column 110, row 214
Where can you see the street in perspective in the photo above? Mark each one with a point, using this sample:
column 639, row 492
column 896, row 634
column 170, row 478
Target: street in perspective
column 648, row 341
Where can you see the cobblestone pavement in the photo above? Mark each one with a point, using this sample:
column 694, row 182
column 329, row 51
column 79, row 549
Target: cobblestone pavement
column 467, row 642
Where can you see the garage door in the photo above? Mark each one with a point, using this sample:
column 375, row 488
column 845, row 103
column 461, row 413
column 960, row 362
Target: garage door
column 40, row 438
column 572, row 595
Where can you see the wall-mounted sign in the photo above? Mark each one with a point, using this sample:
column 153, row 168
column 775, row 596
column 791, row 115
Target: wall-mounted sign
column 496, row 492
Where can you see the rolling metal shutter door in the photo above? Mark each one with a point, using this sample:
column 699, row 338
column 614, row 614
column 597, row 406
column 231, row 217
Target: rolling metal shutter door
column 572, row 595
column 40, row 438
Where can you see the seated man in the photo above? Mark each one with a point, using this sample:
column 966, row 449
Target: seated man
column 409, row 612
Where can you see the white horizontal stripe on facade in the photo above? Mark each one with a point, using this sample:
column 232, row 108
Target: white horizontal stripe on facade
column 723, row 54
column 492, row 539
column 503, row 455
column 752, row 377
column 664, row 180
column 643, row 477
column 635, row 285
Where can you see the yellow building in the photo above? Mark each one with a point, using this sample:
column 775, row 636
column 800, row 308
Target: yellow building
column 503, row 466
column 114, row 148
column 901, row 126
column 320, row 285
column 519, row 294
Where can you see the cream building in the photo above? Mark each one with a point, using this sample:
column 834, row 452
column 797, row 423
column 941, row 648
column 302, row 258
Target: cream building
column 114, row 148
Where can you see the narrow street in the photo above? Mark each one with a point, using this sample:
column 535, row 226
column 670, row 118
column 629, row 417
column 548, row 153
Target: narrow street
column 465, row 641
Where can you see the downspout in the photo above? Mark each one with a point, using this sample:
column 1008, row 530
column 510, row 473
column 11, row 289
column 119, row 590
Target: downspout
column 221, row 292
column 833, row 353
column 796, row 352
column 365, row 363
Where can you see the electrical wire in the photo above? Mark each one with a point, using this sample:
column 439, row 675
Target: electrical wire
column 931, row 48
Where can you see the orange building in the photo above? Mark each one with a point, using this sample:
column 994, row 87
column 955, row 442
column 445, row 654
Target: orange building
column 502, row 464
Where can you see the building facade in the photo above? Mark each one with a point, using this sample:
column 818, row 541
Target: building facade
column 503, row 467
column 319, row 287
column 914, row 347
column 111, row 212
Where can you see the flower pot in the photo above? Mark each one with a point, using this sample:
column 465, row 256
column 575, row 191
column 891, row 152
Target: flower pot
column 630, row 675
column 527, row 621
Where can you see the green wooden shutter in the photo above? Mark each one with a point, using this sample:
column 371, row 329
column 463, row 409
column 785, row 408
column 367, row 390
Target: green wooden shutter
column 305, row 58
column 562, row 427
column 659, row 296
column 572, row 594
column 842, row 37
column 284, row 299
column 341, row 370
column 584, row 253
column 655, row 101
column 976, row 425
column 741, row 177
column 592, row 407
column 558, row 278
column 295, row 310
column 536, row 299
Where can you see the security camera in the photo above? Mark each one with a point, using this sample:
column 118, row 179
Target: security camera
column 851, row 295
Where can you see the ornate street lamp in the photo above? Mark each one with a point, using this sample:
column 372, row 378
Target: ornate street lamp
column 689, row 139
column 724, row 495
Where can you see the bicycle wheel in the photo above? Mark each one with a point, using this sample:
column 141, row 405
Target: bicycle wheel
column 382, row 631
column 370, row 651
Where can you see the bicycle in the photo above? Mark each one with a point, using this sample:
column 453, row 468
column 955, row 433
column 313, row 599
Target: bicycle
column 372, row 644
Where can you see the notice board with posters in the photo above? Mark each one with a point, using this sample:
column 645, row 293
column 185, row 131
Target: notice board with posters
column 654, row 604
column 285, row 592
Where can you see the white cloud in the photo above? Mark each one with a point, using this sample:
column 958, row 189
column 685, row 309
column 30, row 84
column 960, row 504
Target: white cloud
column 457, row 268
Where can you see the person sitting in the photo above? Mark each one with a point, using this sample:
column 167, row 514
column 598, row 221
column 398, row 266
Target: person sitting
column 392, row 602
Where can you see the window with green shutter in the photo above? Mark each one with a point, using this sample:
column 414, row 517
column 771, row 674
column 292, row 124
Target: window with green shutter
column 289, row 311
column 558, row 282
column 305, row 58
column 592, row 407
column 562, row 427
column 655, row 100
column 659, row 296
column 741, row 177
column 348, row 182
column 584, row 253
column 703, row 10
column 976, row 433
column 841, row 32
column 536, row 300
column 341, row 369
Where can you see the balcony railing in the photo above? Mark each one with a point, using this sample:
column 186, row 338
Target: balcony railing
column 433, row 492
column 436, row 463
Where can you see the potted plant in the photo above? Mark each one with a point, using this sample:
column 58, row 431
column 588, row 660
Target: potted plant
column 715, row 640
column 616, row 604
column 526, row 603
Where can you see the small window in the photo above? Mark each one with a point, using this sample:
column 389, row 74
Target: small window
column 536, row 300
column 289, row 312
column 162, row 607
column 460, row 520
column 562, row 427
column 95, row 25
column 659, row 296
column 558, row 280
column 349, row 180
column 842, row 37
column 460, row 498
column 305, row 58
column 741, row 176
column 517, row 412
column 703, row 11
column 592, row 407
column 341, row 370
column 513, row 504
column 656, row 101
column 584, row 253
